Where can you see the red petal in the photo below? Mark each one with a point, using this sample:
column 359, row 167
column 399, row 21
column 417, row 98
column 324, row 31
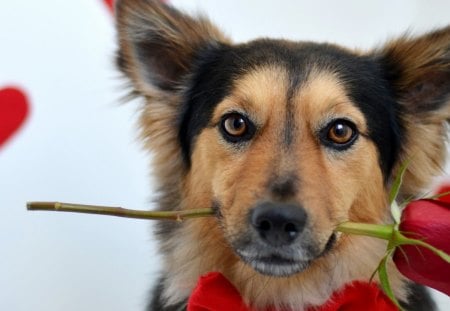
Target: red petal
column 358, row 296
column 429, row 221
column 422, row 266
column 215, row 293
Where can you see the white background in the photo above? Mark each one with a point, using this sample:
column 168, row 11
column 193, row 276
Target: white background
column 79, row 145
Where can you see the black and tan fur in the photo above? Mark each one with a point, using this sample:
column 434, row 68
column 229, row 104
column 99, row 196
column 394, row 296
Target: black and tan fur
column 290, row 96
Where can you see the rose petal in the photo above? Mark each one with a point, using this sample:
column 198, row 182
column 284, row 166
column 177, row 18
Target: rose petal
column 429, row 221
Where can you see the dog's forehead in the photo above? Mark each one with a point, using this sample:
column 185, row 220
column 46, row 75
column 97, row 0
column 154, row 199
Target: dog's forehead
column 272, row 99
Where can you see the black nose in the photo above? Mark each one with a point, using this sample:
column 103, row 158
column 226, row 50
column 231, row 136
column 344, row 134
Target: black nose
column 278, row 223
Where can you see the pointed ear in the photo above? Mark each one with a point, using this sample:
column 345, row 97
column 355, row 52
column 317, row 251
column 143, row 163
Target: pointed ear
column 157, row 43
column 418, row 70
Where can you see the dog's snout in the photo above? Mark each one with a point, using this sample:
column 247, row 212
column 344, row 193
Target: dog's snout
column 278, row 223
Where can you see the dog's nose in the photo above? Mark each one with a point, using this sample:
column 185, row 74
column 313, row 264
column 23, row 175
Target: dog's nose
column 278, row 223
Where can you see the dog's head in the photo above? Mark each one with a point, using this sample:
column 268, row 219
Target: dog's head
column 284, row 140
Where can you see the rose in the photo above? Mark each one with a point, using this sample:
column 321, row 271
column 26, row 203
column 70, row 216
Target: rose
column 427, row 221
column 419, row 241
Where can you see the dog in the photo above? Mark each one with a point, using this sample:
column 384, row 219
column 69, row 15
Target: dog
column 283, row 140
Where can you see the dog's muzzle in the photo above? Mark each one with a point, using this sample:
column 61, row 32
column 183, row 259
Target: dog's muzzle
column 278, row 240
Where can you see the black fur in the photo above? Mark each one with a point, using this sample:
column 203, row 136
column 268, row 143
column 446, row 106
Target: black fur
column 284, row 188
column 419, row 299
column 157, row 302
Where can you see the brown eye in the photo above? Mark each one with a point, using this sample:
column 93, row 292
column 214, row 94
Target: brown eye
column 236, row 127
column 339, row 134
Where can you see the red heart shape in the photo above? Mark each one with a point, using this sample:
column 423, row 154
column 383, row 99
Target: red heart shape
column 14, row 109
column 109, row 4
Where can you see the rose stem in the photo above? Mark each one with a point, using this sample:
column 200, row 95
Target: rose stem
column 119, row 211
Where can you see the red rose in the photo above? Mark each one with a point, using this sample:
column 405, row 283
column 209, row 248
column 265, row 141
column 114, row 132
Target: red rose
column 427, row 221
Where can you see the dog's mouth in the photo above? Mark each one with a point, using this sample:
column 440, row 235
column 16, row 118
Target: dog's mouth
column 275, row 265
column 284, row 261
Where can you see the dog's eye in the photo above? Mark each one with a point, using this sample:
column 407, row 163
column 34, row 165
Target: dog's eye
column 340, row 134
column 236, row 127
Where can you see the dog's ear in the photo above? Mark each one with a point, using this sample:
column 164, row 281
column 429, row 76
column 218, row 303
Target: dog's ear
column 418, row 70
column 157, row 43
column 158, row 46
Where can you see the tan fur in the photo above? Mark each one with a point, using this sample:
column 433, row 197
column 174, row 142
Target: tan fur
column 424, row 63
column 426, row 150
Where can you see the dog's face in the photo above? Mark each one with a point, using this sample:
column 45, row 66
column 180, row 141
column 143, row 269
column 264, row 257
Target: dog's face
column 284, row 140
column 287, row 147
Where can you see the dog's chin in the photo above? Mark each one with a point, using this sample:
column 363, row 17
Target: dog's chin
column 279, row 263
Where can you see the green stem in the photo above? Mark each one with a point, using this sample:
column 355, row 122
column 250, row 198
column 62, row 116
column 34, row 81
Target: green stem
column 395, row 189
column 384, row 280
column 119, row 211
column 385, row 232
column 377, row 231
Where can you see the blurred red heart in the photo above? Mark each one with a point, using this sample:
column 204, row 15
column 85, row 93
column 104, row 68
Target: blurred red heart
column 14, row 109
column 109, row 4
